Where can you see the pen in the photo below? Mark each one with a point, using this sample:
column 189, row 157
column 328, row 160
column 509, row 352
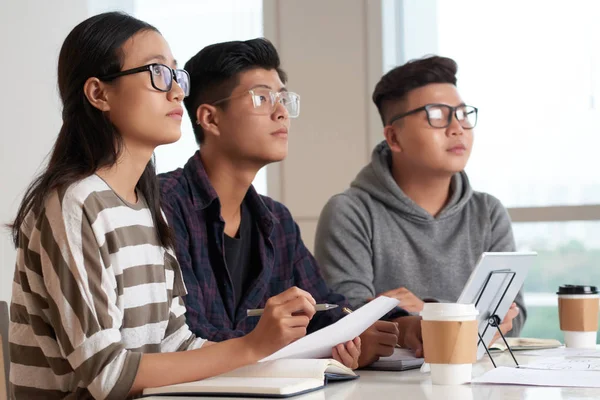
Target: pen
column 318, row 307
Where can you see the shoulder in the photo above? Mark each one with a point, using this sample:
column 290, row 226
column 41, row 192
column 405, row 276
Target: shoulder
column 487, row 200
column 67, row 208
column 491, row 206
column 172, row 183
column 278, row 209
column 79, row 193
column 348, row 204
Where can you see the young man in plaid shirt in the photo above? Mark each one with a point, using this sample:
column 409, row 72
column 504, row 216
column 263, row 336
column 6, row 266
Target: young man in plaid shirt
column 237, row 248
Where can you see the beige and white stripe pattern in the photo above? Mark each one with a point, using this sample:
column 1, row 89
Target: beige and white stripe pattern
column 92, row 291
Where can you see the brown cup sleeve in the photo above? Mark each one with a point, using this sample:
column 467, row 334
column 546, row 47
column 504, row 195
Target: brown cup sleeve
column 578, row 315
column 450, row 342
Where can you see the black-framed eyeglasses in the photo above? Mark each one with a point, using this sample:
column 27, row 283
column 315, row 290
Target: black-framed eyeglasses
column 440, row 115
column 161, row 77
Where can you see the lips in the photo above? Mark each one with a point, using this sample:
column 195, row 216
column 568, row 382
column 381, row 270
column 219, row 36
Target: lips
column 457, row 147
column 282, row 131
column 176, row 112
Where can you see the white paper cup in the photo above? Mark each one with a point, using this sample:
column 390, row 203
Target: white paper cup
column 580, row 339
column 456, row 392
column 450, row 374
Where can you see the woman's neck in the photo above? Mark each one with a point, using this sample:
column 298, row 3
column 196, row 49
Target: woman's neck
column 123, row 176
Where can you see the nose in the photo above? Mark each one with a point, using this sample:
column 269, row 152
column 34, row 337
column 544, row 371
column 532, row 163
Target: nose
column 280, row 113
column 455, row 128
column 176, row 93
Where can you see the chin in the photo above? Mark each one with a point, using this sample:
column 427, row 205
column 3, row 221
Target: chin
column 169, row 137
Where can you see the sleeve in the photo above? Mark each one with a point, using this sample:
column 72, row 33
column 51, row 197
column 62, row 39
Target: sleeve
column 178, row 336
column 82, row 301
column 195, row 314
column 344, row 253
column 503, row 240
column 343, row 250
column 308, row 277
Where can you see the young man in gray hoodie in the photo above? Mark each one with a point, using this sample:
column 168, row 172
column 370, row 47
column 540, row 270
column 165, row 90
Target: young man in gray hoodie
column 410, row 225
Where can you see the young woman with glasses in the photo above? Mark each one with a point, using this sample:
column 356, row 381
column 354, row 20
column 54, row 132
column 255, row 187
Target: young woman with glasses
column 96, row 306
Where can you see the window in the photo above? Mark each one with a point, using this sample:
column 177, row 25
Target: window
column 536, row 81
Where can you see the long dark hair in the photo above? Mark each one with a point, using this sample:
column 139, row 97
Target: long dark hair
column 87, row 140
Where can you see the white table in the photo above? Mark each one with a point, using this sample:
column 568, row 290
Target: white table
column 412, row 385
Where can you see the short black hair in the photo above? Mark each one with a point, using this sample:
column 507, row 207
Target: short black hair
column 214, row 72
column 396, row 84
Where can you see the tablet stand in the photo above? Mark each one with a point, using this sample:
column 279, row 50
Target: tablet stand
column 494, row 320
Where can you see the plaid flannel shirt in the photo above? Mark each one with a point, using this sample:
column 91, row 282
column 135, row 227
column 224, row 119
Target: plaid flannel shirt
column 193, row 210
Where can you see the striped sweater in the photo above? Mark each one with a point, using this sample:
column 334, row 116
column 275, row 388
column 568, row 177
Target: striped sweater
column 92, row 291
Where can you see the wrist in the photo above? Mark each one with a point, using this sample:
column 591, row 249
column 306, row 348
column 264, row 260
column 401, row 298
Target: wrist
column 250, row 349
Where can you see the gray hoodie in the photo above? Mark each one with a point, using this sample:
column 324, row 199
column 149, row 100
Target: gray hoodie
column 373, row 238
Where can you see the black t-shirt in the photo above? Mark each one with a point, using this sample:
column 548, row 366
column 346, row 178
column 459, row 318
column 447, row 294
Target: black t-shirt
column 238, row 255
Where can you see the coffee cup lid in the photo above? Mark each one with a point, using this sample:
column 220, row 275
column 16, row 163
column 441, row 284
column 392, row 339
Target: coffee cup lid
column 447, row 310
column 577, row 289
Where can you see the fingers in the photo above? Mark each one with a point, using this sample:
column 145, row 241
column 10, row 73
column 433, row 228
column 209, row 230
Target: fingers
column 386, row 326
column 358, row 343
column 299, row 305
column 297, row 321
column 401, row 291
column 384, row 351
column 346, row 353
column 290, row 294
column 414, row 343
column 510, row 315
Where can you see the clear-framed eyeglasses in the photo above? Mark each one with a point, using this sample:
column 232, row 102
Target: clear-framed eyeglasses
column 265, row 100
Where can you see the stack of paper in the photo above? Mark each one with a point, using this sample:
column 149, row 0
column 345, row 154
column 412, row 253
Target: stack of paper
column 401, row 360
column 536, row 377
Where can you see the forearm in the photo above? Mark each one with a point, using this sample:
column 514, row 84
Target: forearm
column 521, row 317
column 210, row 360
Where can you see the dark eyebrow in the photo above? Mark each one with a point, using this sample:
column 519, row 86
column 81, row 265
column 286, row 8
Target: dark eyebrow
column 282, row 89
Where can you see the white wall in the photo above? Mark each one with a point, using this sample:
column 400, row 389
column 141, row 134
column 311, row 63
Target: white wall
column 31, row 33
column 332, row 52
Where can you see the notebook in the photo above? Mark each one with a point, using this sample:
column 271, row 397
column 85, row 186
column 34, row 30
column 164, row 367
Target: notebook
column 517, row 344
column 278, row 378
column 401, row 360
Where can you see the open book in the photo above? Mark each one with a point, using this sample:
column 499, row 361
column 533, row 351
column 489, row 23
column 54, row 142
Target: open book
column 517, row 344
column 279, row 378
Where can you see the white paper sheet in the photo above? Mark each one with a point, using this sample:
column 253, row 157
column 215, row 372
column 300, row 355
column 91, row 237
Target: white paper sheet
column 565, row 364
column 320, row 343
column 536, row 377
column 563, row 352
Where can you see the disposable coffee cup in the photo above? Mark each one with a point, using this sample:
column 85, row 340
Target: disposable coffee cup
column 578, row 315
column 450, row 341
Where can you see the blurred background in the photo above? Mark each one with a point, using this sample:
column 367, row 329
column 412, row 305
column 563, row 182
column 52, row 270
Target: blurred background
column 532, row 68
